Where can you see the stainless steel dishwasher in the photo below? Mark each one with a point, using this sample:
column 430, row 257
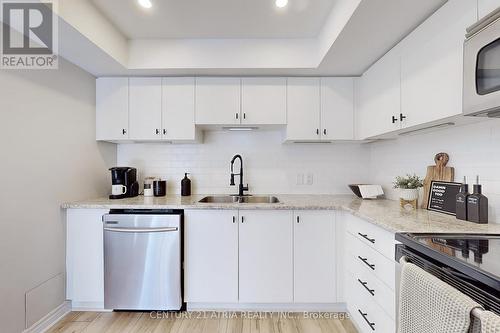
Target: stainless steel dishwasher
column 142, row 260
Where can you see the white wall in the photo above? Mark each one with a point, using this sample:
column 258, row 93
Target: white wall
column 269, row 166
column 473, row 149
column 48, row 155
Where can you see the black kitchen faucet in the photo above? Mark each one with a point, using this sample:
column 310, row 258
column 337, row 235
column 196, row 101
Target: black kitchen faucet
column 241, row 188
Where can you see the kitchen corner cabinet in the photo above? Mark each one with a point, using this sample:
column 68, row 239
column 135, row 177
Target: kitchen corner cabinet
column 218, row 100
column 112, row 109
column 265, row 256
column 378, row 97
column 314, row 257
column 337, row 108
column 145, row 108
column 263, row 101
column 84, row 258
column 303, row 102
column 320, row 109
column 432, row 65
column 211, row 256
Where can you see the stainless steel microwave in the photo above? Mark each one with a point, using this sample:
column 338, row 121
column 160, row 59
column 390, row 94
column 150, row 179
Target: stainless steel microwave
column 481, row 94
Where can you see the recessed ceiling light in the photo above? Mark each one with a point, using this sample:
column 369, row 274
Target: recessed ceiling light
column 145, row 3
column 281, row 3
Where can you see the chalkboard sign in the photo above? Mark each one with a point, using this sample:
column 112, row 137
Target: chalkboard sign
column 442, row 197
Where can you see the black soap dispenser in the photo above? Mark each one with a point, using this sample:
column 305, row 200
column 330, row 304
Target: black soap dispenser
column 461, row 201
column 477, row 205
column 186, row 186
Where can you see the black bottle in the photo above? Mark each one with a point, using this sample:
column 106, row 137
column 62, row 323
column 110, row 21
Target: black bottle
column 186, row 186
column 461, row 201
column 477, row 205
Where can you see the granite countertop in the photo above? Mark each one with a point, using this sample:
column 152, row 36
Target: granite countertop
column 384, row 213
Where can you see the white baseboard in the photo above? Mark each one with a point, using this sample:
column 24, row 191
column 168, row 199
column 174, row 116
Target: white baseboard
column 89, row 306
column 302, row 307
column 50, row 319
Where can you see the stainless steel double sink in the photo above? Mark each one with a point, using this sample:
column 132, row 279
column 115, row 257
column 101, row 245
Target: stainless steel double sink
column 246, row 199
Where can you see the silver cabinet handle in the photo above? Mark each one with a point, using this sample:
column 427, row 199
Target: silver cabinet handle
column 141, row 230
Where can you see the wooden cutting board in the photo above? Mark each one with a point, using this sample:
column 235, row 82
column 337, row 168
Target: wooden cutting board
column 439, row 172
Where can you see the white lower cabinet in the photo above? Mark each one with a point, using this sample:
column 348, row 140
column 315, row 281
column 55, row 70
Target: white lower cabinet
column 211, row 256
column 260, row 256
column 245, row 257
column 265, row 253
column 84, row 258
column 314, row 257
column 369, row 275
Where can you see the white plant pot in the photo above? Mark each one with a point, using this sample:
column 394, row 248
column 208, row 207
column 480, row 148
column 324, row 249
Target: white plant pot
column 408, row 194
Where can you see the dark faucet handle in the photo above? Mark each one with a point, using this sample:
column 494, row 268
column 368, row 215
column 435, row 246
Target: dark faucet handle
column 232, row 180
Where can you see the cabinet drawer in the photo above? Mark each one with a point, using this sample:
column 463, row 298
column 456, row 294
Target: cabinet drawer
column 369, row 286
column 371, row 261
column 381, row 240
column 367, row 314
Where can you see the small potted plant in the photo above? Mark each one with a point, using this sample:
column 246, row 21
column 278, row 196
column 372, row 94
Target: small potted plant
column 408, row 186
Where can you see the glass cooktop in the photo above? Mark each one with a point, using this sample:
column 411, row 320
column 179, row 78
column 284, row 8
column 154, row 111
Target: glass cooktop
column 482, row 252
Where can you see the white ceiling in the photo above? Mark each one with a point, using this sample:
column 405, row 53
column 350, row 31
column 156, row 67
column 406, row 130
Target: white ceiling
column 217, row 18
column 352, row 36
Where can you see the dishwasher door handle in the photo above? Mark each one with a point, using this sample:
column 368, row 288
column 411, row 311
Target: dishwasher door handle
column 141, row 230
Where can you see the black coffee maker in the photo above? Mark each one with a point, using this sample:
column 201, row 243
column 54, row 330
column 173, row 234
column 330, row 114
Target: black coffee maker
column 124, row 183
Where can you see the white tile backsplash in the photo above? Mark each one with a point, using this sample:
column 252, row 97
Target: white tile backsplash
column 273, row 167
column 269, row 165
column 474, row 150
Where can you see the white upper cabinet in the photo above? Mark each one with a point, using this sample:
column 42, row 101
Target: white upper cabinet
column 314, row 257
column 487, row 6
column 265, row 256
column 263, row 101
column 112, row 109
column 303, row 101
column 178, row 96
column 378, row 97
column 337, row 108
column 218, row 101
column 145, row 108
column 432, row 65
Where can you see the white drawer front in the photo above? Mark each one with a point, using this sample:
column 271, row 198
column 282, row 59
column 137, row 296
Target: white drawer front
column 369, row 286
column 381, row 240
column 371, row 261
column 368, row 315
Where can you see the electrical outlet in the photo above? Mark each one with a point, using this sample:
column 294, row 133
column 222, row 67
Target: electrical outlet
column 310, row 179
column 300, row 179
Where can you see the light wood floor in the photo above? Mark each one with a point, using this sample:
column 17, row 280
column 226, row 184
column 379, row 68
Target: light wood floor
column 197, row 322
